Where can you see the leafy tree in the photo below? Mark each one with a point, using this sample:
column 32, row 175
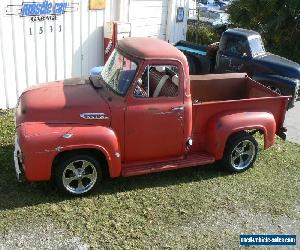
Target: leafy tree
column 278, row 21
column 202, row 34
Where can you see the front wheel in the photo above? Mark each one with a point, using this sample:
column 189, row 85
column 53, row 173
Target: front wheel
column 77, row 174
column 240, row 152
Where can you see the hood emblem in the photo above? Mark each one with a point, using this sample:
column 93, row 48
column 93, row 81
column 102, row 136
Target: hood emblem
column 94, row 116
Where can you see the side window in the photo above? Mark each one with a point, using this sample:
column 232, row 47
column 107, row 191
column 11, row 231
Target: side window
column 236, row 46
column 158, row 81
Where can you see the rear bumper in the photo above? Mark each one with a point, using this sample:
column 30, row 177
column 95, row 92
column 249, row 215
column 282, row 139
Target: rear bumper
column 282, row 133
column 18, row 160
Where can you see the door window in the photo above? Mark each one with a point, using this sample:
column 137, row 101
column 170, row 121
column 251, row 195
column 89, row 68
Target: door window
column 158, row 81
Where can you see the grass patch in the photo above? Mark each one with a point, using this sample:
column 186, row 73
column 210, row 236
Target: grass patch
column 195, row 208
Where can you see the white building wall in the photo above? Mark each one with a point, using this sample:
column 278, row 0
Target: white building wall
column 148, row 18
column 153, row 18
column 43, row 51
column 176, row 31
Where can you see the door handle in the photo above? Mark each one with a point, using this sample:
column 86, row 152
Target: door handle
column 180, row 108
column 153, row 109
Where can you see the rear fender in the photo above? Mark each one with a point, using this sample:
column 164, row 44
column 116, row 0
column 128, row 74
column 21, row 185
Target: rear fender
column 222, row 126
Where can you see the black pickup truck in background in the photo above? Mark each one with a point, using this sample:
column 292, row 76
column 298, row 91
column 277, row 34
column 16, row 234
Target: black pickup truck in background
column 241, row 50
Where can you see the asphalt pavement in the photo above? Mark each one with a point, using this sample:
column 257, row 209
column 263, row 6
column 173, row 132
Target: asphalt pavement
column 292, row 122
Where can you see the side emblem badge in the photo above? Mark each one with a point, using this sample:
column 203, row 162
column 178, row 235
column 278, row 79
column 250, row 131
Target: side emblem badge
column 94, row 116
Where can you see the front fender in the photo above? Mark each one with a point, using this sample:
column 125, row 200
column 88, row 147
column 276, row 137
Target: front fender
column 41, row 143
column 221, row 126
column 101, row 138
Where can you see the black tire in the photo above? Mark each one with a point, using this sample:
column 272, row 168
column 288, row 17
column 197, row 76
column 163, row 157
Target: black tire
column 88, row 173
column 240, row 152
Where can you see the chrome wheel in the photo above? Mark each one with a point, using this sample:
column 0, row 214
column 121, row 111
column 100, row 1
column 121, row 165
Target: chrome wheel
column 242, row 155
column 79, row 176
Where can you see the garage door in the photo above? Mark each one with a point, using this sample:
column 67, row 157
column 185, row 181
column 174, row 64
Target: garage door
column 148, row 18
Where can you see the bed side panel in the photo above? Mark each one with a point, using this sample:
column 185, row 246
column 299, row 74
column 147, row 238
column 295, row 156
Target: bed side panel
column 203, row 112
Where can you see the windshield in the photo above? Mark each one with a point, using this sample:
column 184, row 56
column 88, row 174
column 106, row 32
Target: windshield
column 118, row 72
column 257, row 46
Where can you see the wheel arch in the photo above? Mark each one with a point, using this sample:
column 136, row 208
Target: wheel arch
column 232, row 143
column 249, row 131
column 221, row 127
column 112, row 157
column 99, row 155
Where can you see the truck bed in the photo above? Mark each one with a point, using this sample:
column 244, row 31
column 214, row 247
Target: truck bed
column 216, row 87
column 234, row 92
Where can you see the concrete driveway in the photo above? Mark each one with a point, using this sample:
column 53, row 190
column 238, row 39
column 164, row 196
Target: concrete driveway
column 292, row 122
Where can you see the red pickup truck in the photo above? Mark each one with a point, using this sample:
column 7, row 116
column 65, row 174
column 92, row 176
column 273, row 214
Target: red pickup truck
column 144, row 113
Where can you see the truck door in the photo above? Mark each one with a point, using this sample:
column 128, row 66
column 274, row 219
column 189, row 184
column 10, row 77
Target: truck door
column 233, row 55
column 154, row 119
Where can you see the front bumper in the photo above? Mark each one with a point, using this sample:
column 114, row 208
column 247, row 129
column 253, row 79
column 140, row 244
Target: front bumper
column 18, row 160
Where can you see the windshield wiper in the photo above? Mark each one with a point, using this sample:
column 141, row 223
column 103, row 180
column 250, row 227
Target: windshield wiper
column 96, row 81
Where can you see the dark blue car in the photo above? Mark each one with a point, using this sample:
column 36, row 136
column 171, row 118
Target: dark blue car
column 242, row 50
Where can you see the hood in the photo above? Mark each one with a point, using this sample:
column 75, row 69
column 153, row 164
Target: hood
column 279, row 65
column 69, row 101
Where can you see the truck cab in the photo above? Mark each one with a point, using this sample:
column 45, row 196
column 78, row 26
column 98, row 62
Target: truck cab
column 143, row 113
column 237, row 49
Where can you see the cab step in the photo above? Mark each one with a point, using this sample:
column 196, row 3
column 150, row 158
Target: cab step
column 189, row 161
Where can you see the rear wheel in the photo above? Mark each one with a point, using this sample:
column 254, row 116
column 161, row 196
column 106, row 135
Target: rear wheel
column 77, row 174
column 240, row 152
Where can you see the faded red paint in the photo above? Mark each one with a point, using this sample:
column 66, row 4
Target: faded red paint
column 143, row 135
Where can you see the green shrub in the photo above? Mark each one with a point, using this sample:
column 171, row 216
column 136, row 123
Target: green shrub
column 202, row 34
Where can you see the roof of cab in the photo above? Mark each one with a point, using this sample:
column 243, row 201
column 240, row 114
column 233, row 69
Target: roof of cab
column 150, row 48
column 242, row 32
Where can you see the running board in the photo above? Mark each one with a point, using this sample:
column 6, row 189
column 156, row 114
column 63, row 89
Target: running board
column 189, row 161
